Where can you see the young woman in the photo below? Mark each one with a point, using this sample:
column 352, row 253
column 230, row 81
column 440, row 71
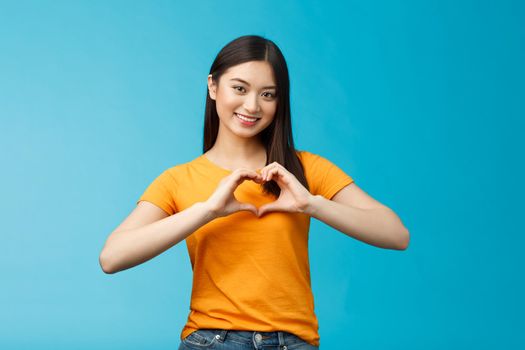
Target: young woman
column 244, row 207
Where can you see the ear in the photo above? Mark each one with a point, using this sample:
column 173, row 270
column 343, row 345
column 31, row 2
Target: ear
column 212, row 88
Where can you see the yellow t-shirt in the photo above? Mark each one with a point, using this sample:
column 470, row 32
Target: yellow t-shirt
column 249, row 273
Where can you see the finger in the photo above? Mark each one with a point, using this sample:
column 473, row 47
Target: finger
column 278, row 176
column 232, row 181
column 263, row 173
column 267, row 172
column 272, row 165
column 256, row 177
column 242, row 174
column 272, row 173
column 252, row 174
column 264, row 170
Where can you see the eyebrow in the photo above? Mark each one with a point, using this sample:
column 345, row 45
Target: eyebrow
column 245, row 82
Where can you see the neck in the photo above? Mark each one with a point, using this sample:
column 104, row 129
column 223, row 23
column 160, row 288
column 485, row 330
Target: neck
column 234, row 151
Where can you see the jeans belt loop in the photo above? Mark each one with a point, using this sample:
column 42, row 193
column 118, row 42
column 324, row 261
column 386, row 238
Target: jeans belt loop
column 223, row 333
column 280, row 335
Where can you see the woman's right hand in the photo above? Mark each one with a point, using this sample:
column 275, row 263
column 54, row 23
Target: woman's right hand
column 222, row 202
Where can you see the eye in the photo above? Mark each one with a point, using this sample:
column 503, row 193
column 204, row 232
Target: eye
column 239, row 88
column 268, row 94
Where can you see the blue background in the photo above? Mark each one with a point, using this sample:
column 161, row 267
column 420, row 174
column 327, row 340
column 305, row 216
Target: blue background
column 422, row 103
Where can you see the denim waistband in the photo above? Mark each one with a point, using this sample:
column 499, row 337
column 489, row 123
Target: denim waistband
column 257, row 338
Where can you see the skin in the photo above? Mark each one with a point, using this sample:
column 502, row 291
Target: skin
column 148, row 230
column 351, row 210
column 238, row 145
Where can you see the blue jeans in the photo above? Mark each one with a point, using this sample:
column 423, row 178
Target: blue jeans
column 243, row 340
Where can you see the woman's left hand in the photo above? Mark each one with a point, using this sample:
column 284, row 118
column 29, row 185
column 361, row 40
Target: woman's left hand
column 294, row 197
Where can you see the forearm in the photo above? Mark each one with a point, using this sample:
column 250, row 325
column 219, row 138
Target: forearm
column 379, row 227
column 128, row 248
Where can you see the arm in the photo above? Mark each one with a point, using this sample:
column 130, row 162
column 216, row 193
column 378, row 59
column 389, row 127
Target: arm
column 358, row 215
column 126, row 248
column 148, row 230
column 350, row 211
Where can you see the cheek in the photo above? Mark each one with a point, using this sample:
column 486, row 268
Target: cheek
column 270, row 109
column 226, row 103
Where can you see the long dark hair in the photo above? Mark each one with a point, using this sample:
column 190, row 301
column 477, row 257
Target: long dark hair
column 277, row 137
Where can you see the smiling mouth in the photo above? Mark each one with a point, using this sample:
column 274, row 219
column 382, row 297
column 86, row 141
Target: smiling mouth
column 247, row 119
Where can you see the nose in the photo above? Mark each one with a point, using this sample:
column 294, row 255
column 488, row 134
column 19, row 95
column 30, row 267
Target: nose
column 251, row 104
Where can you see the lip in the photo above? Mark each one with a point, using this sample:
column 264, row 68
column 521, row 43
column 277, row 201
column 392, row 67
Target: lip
column 247, row 116
column 244, row 122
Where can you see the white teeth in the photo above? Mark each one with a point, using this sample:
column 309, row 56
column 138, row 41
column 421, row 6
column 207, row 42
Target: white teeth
column 246, row 118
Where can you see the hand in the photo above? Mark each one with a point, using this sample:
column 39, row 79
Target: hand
column 222, row 202
column 294, row 197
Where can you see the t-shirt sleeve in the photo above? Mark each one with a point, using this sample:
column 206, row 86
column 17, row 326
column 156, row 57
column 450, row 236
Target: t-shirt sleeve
column 161, row 192
column 324, row 177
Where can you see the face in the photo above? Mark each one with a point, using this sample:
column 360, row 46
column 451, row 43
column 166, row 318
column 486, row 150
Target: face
column 245, row 97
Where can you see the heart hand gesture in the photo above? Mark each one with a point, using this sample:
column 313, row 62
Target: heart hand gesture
column 294, row 197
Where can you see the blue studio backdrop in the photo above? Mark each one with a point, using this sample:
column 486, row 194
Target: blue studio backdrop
column 421, row 102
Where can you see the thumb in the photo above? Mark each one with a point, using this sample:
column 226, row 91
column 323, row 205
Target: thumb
column 268, row 208
column 248, row 207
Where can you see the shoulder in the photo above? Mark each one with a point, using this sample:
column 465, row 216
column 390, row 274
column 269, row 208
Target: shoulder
column 182, row 168
column 317, row 165
column 304, row 155
column 323, row 175
column 308, row 158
